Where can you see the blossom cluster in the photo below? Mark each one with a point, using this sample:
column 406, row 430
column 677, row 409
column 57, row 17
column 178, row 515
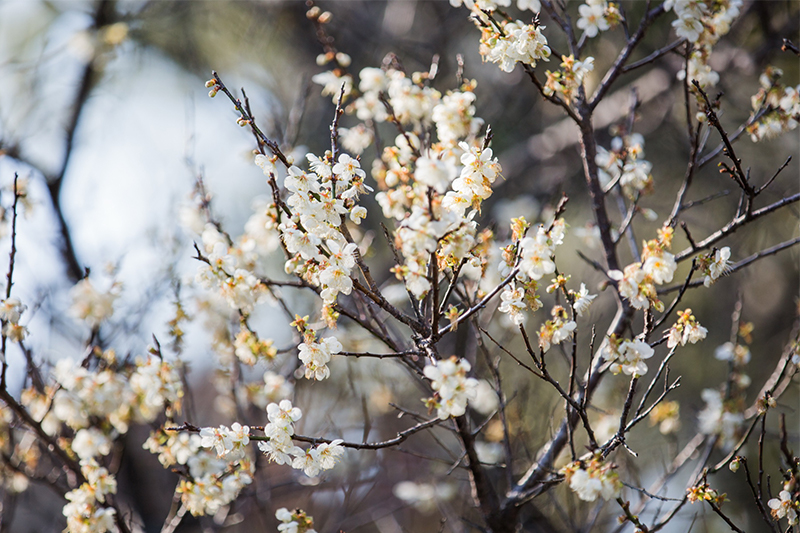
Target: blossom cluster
column 721, row 417
column 280, row 448
column 507, row 42
column 296, row 521
column 557, row 330
column 625, row 164
column 637, row 282
column 452, row 386
column 91, row 305
column 211, row 481
column 685, row 330
column 781, row 102
column 99, row 405
column 11, row 310
column 786, row 505
column 592, row 479
column 565, row 82
column 702, row 24
column 84, row 510
column 627, row 356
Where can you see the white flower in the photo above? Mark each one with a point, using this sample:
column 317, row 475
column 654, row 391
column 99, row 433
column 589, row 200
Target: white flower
column 718, row 266
column 513, row 303
column 784, row 507
column 91, row 305
column 332, row 84
column 433, row 173
column 449, row 378
column 358, row 213
column 592, row 19
column 265, row 164
column 316, row 356
column 583, row 300
column 91, row 442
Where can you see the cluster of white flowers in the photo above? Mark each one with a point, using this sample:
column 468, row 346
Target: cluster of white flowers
column 702, row 24
column 280, row 448
column 685, row 330
column 99, row 405
column 513, row 303
column 250, row 349
column 512, row 42
column 721, row 418
column 537, row 251
column 566, row 82
column 627, row 356
column 229, row 443
column 452, row 386
column 782, row 104
column 785, row 505
column 315, row 357
column 229, row 272
column 592, row 479
column 637, row 282
column 214, row 482
column 557, row 330
column 296, row 521
column 11, row 310
column 84, row 510
column 322, row 254
column 91, row 305
column 625, row 164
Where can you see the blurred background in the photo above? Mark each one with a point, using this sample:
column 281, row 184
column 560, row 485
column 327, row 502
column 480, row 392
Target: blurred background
column 104, row 114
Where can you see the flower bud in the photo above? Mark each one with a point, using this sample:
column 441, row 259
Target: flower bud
column 212, row 93
column 734, row 465
column 325, row 17
column 343, row 59
column 210, row 83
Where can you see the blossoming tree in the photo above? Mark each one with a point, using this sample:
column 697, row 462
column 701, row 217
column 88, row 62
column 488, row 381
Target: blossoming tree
column 398, row 284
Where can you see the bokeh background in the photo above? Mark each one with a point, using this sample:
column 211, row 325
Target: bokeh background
column 103, row 111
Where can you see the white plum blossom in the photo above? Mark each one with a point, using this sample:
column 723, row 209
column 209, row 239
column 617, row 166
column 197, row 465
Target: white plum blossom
column 315, row 357
column 592, row 18
column 627, row 356
column 784, row 507
column 718, row 418
column 592, row 480
column 718, row 266
column 433, row 173
column 229, row 443
column 583, row 300
column 513, row 303
column 91, row 305
column 453, row 387
column 90, row 442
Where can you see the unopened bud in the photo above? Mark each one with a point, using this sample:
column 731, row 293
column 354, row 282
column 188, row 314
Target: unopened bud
column 242, row 121
column 313, row 12
column 343, row 59
column 734, row 465
column 325, row 17
column 322, row 59
column 212, row 93
column 211, row 83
